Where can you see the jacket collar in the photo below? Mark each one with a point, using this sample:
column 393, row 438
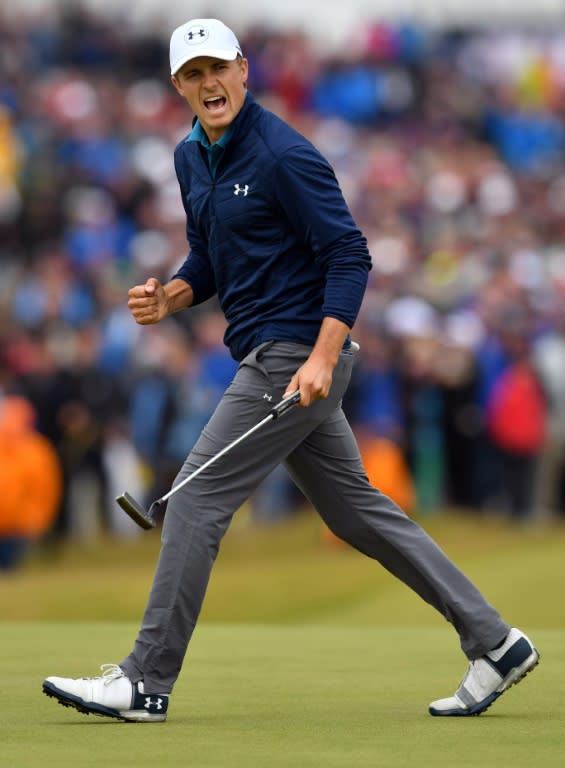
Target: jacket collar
column 246, row 116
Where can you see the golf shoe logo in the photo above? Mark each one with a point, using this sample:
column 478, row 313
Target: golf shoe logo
column 244, row 190
column 196, row 35
column 149, row 703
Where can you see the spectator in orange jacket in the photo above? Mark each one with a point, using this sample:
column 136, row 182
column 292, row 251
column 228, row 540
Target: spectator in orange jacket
column 30, row 478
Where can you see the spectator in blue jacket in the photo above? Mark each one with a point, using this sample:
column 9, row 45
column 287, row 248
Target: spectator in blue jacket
column 272, row 237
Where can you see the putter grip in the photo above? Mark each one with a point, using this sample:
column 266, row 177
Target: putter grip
column 286, row 404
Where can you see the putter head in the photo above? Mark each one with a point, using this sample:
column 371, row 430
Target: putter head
column 137, row 513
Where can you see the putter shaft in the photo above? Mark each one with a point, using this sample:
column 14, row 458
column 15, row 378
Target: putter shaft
column 145, row 519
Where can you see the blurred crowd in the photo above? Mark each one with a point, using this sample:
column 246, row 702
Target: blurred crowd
column 449, row 147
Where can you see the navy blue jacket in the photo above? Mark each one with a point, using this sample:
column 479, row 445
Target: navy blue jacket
column 271, row 234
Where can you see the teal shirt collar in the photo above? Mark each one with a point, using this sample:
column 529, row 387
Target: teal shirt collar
column 214, row 151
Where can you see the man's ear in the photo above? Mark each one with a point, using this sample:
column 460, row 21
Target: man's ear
column 244, row 64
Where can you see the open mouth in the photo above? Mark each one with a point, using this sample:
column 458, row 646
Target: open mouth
column 215, row 103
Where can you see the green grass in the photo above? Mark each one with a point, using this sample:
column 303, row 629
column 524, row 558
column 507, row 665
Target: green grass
column 306, row 655
column 256, row 695
column 286, row 573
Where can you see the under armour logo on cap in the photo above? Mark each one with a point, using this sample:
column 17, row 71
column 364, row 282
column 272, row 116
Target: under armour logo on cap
column 202, row 37
column 196, row 35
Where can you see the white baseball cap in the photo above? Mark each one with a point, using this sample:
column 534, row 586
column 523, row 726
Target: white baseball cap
column 202, row 37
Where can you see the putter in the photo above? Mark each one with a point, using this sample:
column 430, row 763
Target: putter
column 146, row 518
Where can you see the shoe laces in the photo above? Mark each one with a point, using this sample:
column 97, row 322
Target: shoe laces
column 111, row 672
column 470, row 670
column 474, row 669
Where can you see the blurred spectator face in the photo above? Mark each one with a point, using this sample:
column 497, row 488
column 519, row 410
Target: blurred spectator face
column 215, row 91
column 420, row 357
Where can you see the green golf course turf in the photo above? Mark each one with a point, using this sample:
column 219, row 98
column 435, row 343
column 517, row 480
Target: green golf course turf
column 306, row 655
column 254, row 695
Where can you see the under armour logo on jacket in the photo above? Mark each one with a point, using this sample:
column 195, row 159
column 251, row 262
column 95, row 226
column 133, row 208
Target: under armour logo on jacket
column 150, row 703
column 238, row 189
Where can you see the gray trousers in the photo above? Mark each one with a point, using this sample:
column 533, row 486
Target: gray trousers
column 318, row 449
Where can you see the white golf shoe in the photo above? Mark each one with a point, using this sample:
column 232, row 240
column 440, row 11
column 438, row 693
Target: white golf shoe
column 112, row 695
column 489, row 676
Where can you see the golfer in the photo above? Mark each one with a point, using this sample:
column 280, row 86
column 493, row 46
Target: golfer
column 272, row 237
